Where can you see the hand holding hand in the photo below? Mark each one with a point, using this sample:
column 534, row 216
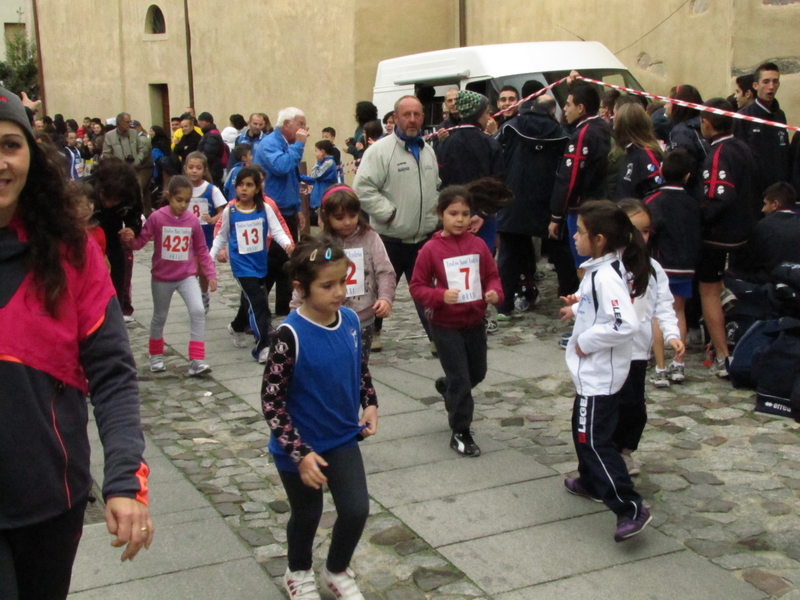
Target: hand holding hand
column 126, row 235
column 310, row 473
column 451, row 296
column 382, row 309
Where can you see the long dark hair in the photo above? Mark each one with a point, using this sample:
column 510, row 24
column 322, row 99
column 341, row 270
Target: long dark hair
column 160, row 140
column 603, row 217
column 52, row 227
column 254, row 173
column 689, row 93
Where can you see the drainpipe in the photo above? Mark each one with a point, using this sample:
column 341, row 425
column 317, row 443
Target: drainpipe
column 189, row 67
column 462, row 23
column 40, row 75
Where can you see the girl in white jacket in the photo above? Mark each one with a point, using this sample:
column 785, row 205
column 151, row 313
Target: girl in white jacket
column 655, row 313
column 599, row 355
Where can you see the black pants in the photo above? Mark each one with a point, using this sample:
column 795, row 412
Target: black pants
column 276, row 259
column 560, row 255
column 462, row 353
column 36, row 561
column 403, row 257
column 252, row 288
column 602, row 470
column 348, row 485
column 516, row 262
column 632, row 408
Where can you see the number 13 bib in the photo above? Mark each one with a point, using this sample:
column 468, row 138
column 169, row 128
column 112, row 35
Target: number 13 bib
column 248, row 236
column 464, row 274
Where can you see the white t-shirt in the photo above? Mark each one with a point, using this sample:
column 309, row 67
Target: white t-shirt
column 199, row 205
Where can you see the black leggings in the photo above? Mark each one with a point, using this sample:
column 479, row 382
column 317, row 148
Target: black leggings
column 348, row 485
column 36, row 560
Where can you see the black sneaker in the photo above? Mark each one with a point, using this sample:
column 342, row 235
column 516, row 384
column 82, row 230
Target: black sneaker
column 464, row 444
column 441, row 385
column 627, row 527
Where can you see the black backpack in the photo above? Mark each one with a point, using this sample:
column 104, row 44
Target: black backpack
column 776, row 370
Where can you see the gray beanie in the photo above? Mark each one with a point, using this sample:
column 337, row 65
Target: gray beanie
column 11, row 109
column 470, row 105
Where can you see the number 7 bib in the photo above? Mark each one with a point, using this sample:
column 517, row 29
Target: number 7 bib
column 175, row 243
column 248, row 236
column 464, row 274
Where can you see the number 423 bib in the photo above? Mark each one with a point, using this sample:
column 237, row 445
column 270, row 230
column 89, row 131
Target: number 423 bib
column 464, row 274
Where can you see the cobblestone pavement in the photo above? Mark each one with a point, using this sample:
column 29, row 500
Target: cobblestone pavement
column 719, row 477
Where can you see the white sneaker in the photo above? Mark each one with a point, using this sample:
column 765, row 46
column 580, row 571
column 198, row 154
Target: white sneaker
column 157, row 363
column 239, row 337
column 128, row 319
column 263, row 355
column 198, row 367
column 300, row 585
column 660, row 378
column 342, row 585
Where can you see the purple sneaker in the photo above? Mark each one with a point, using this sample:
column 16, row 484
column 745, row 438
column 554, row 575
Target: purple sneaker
column 627, row 527
column 574, row 486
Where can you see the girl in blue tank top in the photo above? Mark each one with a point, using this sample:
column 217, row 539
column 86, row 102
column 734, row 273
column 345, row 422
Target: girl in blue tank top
column 315, row 382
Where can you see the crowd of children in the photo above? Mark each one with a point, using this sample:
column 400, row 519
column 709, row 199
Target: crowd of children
column 673, row 228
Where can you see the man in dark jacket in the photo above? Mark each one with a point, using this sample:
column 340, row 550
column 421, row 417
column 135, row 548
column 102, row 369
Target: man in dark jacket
column 533, row 144
column 190, row 140
column 212, row 145
column 727, row 218
column 468, row 154
column 769, row 144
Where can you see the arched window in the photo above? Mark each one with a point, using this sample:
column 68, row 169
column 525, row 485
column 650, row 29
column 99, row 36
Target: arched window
column 154, row 21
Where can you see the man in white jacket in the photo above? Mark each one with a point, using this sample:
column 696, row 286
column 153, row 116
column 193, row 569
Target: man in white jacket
column 396, row 183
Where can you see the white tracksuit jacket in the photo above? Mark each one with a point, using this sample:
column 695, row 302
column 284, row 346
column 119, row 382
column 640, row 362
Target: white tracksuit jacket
column 605, row 331
column 657, row 302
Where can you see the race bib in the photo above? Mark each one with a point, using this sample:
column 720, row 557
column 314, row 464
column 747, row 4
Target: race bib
column 464, row 274
column 249, row 236
column 199, row 207
column 355, row 272
column 175, row 243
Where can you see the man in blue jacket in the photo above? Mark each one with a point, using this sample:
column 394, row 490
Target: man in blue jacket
column 280, row 153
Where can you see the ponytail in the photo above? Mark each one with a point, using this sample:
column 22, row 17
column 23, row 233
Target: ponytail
column 602, row 217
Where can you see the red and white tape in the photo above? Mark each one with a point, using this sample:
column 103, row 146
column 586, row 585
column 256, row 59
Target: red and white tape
column 505, row 110
column 701, row 107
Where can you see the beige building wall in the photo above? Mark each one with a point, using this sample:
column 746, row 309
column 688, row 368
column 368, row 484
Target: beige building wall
column 102, row 70
column 246, row 56
column 701, row 44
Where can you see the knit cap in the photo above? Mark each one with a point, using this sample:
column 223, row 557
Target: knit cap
column 470, row 105
column 11, row 109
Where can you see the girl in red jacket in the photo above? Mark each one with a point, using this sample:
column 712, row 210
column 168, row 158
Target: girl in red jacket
column 454, row 278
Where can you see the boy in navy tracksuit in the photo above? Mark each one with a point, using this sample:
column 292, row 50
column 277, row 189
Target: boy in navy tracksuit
column 243, row 156
column 769, row 144
column 728, row 218
column 677, row 236
column 581, row 176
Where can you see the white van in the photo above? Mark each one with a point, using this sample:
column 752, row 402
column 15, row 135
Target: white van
column 486, row 69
